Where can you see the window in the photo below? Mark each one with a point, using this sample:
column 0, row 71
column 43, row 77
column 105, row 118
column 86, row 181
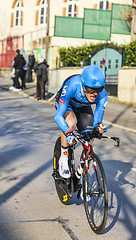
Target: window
column 109, row 64
column 104, row 4
column 117, row 63
column 18, row 14
column 71, row 8
column 107, row 5
column 43, row 12
column 101, row 5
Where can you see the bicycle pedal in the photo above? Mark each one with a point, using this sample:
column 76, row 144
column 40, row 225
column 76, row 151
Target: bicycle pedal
column 54, row 175
column 77, row 187
column 79, row 191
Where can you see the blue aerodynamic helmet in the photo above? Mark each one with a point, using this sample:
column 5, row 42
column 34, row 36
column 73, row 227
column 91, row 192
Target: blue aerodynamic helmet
column 93, row 77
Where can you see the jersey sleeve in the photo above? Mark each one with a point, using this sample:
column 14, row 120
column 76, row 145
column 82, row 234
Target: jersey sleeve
column 101, row 103
column 68, row 91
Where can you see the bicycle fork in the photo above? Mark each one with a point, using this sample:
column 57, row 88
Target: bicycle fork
column 87, row 158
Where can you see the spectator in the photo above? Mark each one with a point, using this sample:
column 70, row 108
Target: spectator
column 38, row 88
column 31, row 62
column 24, row 70
column 19, row 63
column 42, row 77
column 12, row 77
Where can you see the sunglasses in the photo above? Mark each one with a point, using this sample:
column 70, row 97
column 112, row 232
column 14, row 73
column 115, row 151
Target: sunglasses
column 92, row 90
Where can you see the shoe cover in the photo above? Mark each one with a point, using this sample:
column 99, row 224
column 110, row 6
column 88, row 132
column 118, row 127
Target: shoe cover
column 64, row 170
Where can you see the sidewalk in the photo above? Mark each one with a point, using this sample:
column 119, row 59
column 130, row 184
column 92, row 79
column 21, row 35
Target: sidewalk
column 117, row 114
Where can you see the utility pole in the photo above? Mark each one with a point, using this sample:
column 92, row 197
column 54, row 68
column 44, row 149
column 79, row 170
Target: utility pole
column 47, row 32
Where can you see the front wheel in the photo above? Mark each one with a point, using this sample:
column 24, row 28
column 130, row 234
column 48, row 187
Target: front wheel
column 95, row 194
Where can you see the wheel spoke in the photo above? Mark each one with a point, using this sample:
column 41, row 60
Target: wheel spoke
column 95, row 196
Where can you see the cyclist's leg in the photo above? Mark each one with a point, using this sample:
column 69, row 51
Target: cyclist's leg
column 63, row 161
column 71, row 120
column 85, row 120
column 84, row 117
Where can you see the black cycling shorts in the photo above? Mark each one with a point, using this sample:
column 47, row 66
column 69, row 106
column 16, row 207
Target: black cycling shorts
column 84, row 117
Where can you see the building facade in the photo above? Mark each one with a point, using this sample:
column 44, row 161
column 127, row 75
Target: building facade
column 35, row 20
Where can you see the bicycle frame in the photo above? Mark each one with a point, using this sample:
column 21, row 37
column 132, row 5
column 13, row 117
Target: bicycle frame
column 87, row 157
column 86, row 143
column 88, row 149
column 94, row 184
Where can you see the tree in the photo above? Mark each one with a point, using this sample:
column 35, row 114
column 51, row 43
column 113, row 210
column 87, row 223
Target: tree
column 133, row 20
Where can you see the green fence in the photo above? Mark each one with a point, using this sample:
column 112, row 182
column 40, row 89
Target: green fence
column 68, row 27
column 96, row 24
column 119, row 23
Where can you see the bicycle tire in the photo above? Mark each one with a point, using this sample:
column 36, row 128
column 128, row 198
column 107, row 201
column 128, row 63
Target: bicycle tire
column 95, row 197
column 64, row 187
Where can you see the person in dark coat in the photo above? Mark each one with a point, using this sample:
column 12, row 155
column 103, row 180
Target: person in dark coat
column 31, row 62
column 38, row 87
column 42, row 77
column 24, row 70
column 19, row 63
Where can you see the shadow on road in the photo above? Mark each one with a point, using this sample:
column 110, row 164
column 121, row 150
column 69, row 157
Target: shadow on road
column 118, row 197
column 26, row 180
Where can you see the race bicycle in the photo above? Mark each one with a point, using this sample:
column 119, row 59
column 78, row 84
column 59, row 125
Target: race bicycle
column 93, row 186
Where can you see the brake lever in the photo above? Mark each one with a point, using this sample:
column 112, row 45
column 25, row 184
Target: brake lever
column 117, row 140
column 93, row 134
column 74, row 143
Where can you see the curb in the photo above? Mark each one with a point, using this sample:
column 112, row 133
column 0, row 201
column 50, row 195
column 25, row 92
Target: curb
column 53, row 104
column 121, row 127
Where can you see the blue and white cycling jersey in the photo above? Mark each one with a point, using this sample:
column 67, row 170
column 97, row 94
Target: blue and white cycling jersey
column 73, row 94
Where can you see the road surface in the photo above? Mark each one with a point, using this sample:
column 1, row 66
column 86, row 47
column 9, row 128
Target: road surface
column 29, row 206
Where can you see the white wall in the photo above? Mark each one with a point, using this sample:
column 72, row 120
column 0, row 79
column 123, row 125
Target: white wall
column 126, row 81
column 57, row 77
column 28, row 18
column 129, row 2
column 5, row 7
column 127, row 85
column 120, row 38
column 68, row 42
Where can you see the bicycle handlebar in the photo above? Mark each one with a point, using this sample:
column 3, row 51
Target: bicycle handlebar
column 116, row 139
column 89, row 135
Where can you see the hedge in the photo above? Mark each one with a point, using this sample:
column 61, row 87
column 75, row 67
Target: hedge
column 72, row 56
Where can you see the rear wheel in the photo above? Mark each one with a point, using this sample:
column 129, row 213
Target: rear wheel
column 95, row 194
column 64, row 187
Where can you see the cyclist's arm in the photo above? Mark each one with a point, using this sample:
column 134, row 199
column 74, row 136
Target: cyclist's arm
column 101, row 103
column 68, row 92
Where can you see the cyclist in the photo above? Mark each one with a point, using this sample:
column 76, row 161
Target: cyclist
column 79, row 92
